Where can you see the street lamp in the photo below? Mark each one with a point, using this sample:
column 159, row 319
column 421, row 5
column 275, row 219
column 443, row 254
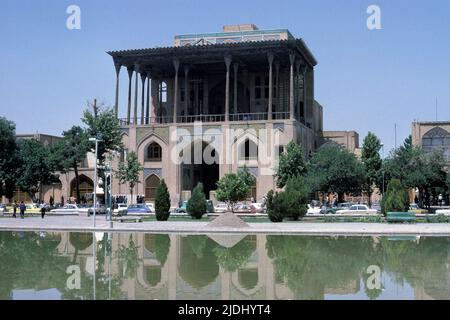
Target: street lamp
column 95, row 174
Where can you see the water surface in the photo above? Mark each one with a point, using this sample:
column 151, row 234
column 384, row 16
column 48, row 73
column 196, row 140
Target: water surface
column 48, row 265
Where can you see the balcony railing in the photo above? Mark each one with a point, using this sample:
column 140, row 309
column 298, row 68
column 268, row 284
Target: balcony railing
column 262, row 116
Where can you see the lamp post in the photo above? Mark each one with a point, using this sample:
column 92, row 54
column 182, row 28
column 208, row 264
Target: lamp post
column 95, row 175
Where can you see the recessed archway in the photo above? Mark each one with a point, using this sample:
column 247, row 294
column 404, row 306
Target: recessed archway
column 200, row 163
column 151, row 183
column 86, row 188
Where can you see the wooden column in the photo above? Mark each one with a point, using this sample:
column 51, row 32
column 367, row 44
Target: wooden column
column 130, row 75
column 143, row 76
column 227, row 88
column 277, row 86
column 235, row 100
column 136, row 85
column 269, row 109
column 291, row 86
column 116, row 106
column 147, row 110
column 186, row 91
column 176, row 65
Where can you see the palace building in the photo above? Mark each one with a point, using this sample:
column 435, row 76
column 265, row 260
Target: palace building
column 215, row 103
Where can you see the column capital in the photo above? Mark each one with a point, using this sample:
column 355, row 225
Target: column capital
column 143, row 76
column 130, row 70
column 227, row 59
column 117, row 65
column 137, row 67
column 176, row 64
column 235, row 67
column 291, row 57
column 270, row 58
column 149, row 75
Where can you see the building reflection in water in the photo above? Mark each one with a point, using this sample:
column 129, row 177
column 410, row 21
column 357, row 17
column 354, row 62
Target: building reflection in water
column 162, row 266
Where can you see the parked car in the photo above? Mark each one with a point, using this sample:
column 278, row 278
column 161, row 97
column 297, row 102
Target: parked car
column 182, row 208
column 357, row 209
column 100, row 209
column 3, row 208
column 414, row 207
column 377, row 207
column 151, row 206
column 313, row 210
column 258, row 208
column 443, row 211
column 221, row 207
column 209, row 206
column 138, row 209
column 242, row 208
column 120, row 209
column 328, row 210
column 71, row 209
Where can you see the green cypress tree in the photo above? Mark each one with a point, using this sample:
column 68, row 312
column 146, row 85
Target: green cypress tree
column 162, row 202
column 395, row 198
column 196, row 206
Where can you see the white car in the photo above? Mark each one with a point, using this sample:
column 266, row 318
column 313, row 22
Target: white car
column 151, row 206
column 357, row 209
column 120, row 210
column 313, row 210
column 71, row 209
column 221, row 207
column 443, row 211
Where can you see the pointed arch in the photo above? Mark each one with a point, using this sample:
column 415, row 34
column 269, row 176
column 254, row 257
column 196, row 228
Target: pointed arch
column 151, row 183
column 153, row 152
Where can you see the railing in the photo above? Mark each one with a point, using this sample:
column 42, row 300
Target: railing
column 261, row 116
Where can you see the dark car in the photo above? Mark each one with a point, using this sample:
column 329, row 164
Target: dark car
column 100, row 209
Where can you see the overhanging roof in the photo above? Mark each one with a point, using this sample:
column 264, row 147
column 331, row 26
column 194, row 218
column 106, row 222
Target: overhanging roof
column 213, row 51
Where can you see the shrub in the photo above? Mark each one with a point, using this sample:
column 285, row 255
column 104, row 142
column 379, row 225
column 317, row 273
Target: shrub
column 396, row 198
column 439, row 218
column 296, row 198
column 162, row 202
column 274, row 207
column 234, row 187
column 196, row 206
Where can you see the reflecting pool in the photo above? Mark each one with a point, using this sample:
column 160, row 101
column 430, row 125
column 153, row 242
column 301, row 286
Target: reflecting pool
column 50, row 265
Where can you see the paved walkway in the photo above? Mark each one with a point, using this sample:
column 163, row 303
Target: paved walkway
column 83, row 223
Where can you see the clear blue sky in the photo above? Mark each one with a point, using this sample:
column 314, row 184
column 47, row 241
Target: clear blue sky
column 366, row 80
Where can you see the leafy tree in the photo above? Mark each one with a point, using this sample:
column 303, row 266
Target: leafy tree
column 333, row 169
column 8, row 157
column 36, row 168
column 372, row 162
column 196, row 205
column 234, row 187
column 103, row 124
column 417, row 169
column 395, row 198
column 129, row 172
column 290, row 203
column 290, row 164
column 67, row 153
column 162, row 202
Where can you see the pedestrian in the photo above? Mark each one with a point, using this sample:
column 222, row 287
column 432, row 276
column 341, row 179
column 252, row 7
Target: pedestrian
column 22, row 209
column 14, row 209
column 42, row 210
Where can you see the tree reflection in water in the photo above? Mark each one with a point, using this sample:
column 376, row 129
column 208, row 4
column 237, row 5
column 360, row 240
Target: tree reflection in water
column 310, row 267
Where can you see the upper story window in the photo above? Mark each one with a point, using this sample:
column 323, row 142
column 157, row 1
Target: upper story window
column 249, row 150
column 163, row 91
column 154, row 152
column 261, row 87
